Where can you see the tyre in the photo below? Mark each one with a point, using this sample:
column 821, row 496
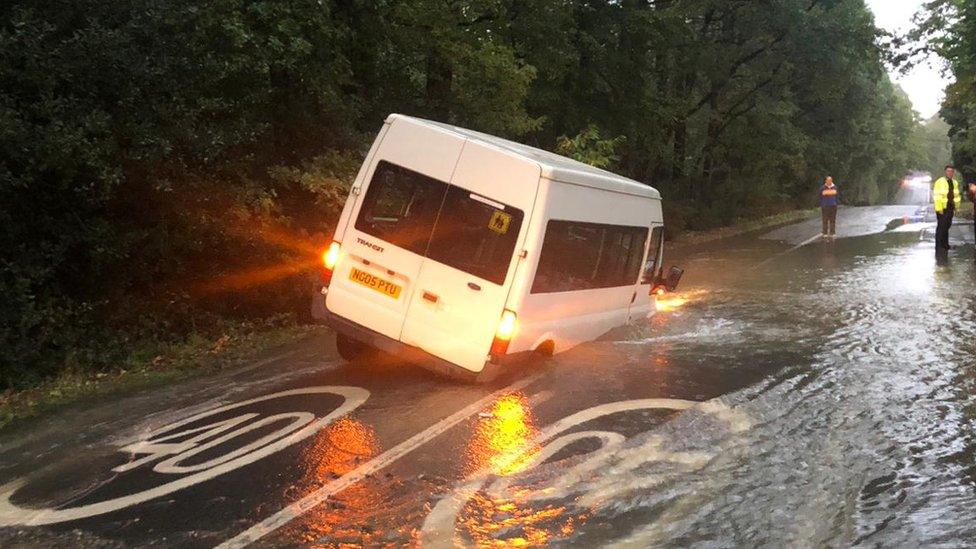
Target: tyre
column 350, row 349
column 546, row 349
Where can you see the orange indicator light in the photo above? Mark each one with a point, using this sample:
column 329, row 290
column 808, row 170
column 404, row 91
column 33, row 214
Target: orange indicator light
column 331, row 256
column 507, row 326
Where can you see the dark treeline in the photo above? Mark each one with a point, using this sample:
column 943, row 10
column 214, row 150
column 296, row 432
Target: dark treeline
column 165, row 166
column 948, row 28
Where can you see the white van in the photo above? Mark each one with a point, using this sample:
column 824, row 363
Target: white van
column 461, row 251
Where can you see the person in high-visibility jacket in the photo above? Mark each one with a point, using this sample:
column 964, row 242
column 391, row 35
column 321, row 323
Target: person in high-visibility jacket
column 947, row 199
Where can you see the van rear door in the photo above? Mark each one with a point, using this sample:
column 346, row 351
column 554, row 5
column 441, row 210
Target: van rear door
column 390, row 226
column 471, row 261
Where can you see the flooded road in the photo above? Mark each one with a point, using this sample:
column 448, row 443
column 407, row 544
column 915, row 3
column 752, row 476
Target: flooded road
column 866, row 432
column 814, row 394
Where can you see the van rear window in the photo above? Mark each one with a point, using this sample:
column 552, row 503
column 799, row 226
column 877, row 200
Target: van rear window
column 400, row 207
column 585, row 256
column 443, row 222
column 475, row 234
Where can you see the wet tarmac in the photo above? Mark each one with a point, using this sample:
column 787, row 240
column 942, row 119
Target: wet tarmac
column 795, row 391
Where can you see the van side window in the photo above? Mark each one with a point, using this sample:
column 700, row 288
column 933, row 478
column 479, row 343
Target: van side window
column 400, row 207
column 476, row 235
column 583, row 256
column 653, row 256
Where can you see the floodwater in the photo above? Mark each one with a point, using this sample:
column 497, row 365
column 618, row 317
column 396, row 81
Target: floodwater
column 794, row 392
column 863, row 423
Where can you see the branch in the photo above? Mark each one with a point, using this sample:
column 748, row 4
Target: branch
column 741, row 62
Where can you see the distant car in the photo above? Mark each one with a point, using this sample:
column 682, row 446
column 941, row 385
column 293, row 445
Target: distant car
column 461, row 251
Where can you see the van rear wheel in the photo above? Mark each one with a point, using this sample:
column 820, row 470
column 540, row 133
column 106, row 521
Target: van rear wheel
column 349, row 348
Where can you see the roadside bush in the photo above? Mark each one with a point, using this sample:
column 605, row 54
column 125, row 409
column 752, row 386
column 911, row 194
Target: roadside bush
column 152, row 169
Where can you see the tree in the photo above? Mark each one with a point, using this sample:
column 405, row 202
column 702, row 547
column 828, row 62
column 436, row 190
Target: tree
column 948, row 28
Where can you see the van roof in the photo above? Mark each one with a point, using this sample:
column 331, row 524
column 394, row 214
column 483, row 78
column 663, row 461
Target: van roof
column 554, row 166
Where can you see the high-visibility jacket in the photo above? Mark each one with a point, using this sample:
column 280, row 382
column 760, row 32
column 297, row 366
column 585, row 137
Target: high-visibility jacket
column 940, row 194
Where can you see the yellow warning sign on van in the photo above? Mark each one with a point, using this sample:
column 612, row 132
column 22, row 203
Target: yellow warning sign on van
column 499, row 222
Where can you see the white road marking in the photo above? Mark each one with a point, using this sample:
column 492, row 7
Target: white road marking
column 604, row 475
column 13, row 515
column 310, row 501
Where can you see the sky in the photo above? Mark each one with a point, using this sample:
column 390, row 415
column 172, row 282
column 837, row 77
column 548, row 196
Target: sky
column 925, row 83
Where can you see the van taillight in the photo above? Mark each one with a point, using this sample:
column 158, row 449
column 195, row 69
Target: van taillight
column 330, row 258
column 507, row 327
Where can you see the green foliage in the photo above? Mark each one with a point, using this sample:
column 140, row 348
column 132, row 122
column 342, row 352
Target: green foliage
column 589, row 148
column 931, row 142
column 165, row 166
column 948, row 28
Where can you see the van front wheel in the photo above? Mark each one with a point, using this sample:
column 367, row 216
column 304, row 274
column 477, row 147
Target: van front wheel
column 350, row 349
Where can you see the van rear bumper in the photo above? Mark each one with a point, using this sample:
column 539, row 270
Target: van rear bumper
column 396, row 348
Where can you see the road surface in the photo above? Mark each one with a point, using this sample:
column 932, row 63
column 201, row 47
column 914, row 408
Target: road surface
column 793, row 392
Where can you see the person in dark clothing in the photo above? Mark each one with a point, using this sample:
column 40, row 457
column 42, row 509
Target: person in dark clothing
column 946, row 198
column 829, row 199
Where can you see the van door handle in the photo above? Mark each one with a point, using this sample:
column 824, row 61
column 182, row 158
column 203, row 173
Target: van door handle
column 474, row 286
column 430, row 297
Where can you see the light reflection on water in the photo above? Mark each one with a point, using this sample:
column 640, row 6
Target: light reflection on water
column 674, row 301
column 865, row 423
column 340, row 448
column 504, row 444
column 501, row 441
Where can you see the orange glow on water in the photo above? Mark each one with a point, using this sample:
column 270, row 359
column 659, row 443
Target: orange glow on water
column 502, row 442
column 668, row 304
column 485, row 519
column 347, row 444
column 504, row 445
column 343, row 446
column 674, row 302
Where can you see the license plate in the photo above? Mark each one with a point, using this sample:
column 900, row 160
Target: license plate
column 384, row 287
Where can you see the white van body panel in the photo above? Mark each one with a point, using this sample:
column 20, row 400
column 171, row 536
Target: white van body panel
column 460, row 326
column 426, row 150
column 452, row 314
column 554, row 167
column 578, row 316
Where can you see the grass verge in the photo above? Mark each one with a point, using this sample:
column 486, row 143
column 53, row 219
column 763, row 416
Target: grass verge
column 150, row 365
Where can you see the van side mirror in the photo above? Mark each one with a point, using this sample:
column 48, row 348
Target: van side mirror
column 674, row 277
column 647, row 275
column 668, row 283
